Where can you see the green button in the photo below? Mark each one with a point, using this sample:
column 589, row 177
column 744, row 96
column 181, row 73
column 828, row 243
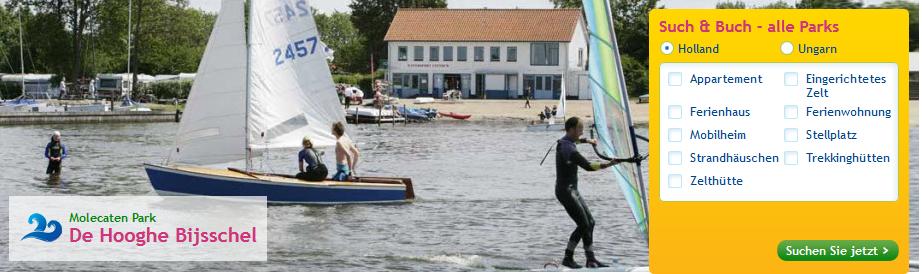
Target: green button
column 838, row 250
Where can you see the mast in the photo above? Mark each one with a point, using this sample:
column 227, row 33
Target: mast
column 22, row 66
column 627, row 113
column 129, row 45
column 246, row 115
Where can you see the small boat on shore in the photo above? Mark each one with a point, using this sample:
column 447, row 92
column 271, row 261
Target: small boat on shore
column 358, row 115
column 455, row 115
column 245, row 102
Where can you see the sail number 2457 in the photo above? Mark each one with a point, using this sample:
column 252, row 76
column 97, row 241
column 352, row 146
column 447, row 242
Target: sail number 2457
column 296, row 49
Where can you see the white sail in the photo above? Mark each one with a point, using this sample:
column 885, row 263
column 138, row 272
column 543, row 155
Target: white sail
column 212, row 129
column 562, row 104
column 291, row 89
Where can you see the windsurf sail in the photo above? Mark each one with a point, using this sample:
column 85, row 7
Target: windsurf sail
column 610, row 108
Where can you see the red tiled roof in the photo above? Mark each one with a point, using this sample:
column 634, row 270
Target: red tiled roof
column 484, row 25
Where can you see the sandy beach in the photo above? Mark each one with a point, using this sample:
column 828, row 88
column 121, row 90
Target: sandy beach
column 490, row 110
column 515, row 110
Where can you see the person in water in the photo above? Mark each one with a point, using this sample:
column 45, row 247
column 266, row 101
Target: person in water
column 315, row 171
column 55, row 152
column 568, row 161
column 347, row 155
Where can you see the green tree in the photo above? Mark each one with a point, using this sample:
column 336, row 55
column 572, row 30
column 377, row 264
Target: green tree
column 777, row 5
column 338, row 32
column 72, row 16
column 913, row 9
column 372, row 18
column 731, row 5
column 632, row 31
column 828, row 4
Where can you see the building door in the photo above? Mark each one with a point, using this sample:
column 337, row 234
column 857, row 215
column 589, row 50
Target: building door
column 543, row 86
column 452, row 81
column 480, row 86
column 438, row 84
column 465, row 85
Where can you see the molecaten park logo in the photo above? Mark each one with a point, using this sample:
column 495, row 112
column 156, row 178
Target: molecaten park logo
column 40, row 226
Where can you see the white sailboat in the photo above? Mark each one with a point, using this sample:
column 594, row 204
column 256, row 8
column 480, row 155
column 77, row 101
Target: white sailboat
column 265, row 95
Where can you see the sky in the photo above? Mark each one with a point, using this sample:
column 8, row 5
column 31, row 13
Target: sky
column 343, row 5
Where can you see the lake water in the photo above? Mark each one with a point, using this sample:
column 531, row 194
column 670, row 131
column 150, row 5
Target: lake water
column 483, row 202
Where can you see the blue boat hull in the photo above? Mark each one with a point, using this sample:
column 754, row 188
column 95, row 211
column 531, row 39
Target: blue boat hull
column 173, row 181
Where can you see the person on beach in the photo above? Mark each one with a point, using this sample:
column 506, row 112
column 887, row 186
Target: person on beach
column 527, row 95
column 347, row 155
column 63, row 88
column 55, row 152
column 315, row 171
column 568, row 161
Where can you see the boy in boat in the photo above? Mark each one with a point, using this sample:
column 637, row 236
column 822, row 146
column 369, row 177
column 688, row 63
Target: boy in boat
column 55, row 152
column 568, row 160
column 315, row 171
column 347, row 155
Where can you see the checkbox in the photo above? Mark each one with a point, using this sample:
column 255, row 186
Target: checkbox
column 790, row 157
column 675, row 157
column 675, row 181
column 675, row 78
column 790, row 78
column 675, row 112
column 675, row 134
column 790, row 135
column 790, row 112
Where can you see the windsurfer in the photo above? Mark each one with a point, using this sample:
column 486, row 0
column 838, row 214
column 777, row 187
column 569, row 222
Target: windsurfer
column 315, row 171
column 347, row 155
column 568, row 159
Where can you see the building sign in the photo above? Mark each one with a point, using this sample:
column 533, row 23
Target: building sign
column 416, row 65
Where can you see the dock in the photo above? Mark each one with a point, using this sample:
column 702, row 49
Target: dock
column 32, row 118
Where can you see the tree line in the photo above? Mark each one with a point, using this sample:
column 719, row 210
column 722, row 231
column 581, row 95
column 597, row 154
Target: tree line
column 632, row 16
column 79, row 38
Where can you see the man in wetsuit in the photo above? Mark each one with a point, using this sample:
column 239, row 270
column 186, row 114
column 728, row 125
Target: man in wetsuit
column 55, row 152
column 568, row 161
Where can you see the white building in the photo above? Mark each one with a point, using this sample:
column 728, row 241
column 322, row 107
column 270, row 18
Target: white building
column 488, row 53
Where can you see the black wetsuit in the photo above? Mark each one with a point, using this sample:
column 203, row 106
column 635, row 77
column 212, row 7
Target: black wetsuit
column 568, row 161
column 54, row 150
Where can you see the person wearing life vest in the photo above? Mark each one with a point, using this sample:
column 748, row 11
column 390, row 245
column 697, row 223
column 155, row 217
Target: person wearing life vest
column 55, row 151
column 315, row 170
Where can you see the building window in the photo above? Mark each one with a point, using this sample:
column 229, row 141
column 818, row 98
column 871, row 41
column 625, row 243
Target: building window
column 478, row 54
column 512, row 54
column 433, row 53
column 401, row 53
column 418, row 53
column 579, row 62
column 411, row 83
column 448, row 52
column 462, row 54
column 494, row 54
column 545, row 54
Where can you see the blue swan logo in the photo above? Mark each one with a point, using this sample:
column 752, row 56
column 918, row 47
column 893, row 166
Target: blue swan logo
column 40, row 226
